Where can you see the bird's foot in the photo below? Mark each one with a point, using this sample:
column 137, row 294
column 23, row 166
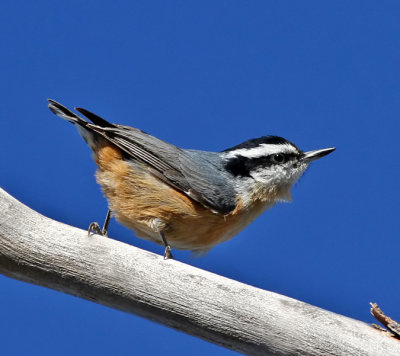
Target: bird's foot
column 168, row 253
column 94, row 228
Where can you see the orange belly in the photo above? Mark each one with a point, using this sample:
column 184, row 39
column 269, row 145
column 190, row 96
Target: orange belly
column 145, row 204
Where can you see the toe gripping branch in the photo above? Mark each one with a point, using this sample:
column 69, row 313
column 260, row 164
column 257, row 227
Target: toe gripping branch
column 94, row 227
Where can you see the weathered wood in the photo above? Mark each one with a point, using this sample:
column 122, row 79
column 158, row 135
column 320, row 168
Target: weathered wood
column 42, row 251
column 385, row 320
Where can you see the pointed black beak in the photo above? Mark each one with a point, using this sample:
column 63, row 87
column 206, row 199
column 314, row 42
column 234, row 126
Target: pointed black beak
column 313, row 155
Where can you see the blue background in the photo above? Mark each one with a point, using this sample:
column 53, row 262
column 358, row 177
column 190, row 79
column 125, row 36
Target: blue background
column 208, row 75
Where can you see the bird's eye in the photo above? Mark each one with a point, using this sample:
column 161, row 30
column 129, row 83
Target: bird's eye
column 278, row 158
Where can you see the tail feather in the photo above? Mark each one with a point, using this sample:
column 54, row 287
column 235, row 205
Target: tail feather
column 64, row 113
column 88, row 132
column 97, row 120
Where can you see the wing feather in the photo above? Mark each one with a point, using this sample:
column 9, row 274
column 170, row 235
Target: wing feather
column 198, row 174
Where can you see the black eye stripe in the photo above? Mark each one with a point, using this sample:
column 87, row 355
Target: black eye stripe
column 244, row 166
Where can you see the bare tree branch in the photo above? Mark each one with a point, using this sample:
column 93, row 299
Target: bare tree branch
column 387, row 321
column 42, row 251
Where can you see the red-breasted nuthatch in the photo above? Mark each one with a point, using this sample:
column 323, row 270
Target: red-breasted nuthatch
column 187, row 199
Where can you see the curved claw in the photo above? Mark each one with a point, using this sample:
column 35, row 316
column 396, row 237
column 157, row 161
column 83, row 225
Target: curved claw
column 94, row 228
column 168, row 253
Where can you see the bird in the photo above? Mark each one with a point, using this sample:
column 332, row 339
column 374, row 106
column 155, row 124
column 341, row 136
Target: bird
column 183, row 198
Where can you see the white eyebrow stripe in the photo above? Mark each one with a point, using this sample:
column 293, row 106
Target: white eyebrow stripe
column 261, row 150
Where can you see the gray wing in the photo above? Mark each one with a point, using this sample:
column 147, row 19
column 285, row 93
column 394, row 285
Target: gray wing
column 198, row 174
column 208, row 180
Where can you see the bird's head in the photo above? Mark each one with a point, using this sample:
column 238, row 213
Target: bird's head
column 268, row 165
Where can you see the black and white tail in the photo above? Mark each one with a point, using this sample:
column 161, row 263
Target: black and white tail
column 64, row 113
column 86, row 129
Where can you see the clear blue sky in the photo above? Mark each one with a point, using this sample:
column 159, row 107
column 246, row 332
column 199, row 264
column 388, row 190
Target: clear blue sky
column 208, row 75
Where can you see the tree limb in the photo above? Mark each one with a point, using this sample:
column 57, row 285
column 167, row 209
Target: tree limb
column 42, row 251
column 387, row 321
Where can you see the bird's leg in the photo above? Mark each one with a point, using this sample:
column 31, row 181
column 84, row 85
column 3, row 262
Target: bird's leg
column 106, row 223
column 167, row 251
column 95, row 228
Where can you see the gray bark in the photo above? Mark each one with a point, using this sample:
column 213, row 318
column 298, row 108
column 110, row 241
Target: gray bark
column 38, row 250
